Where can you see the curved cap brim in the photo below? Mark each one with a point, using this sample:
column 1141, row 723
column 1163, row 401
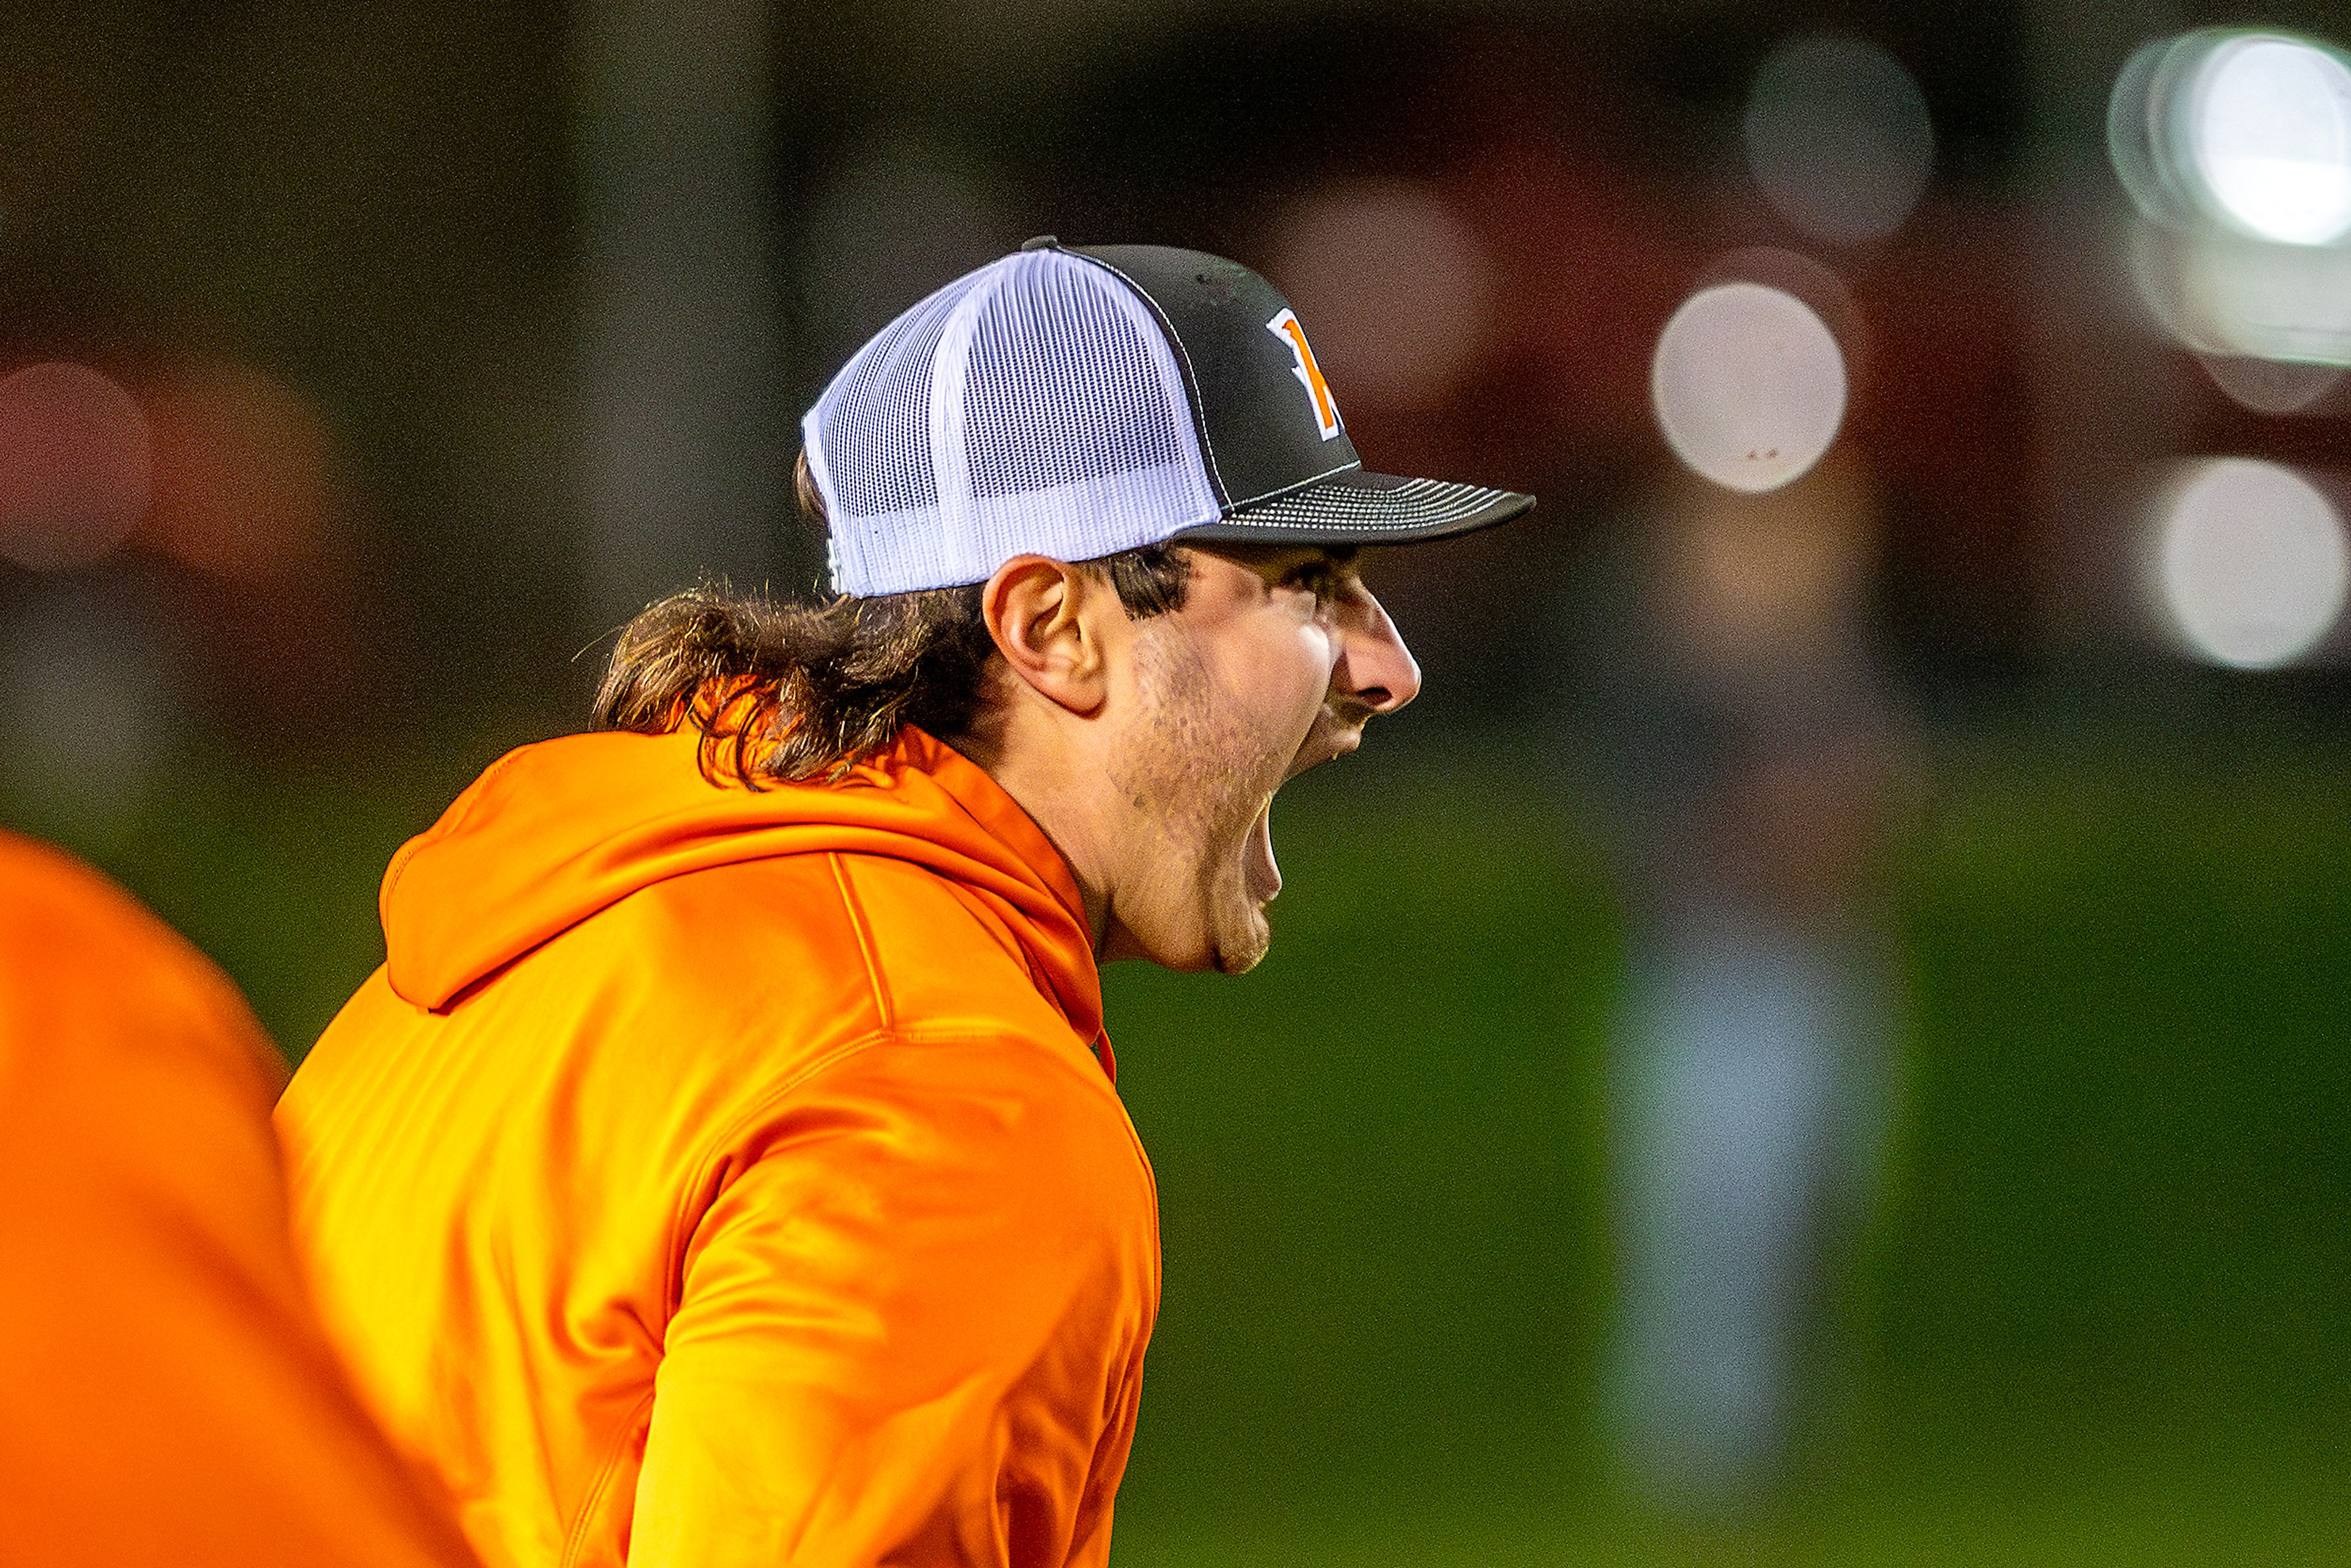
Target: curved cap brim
column 1361, row 508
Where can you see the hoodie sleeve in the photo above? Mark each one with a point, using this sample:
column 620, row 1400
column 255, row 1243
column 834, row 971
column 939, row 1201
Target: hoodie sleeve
column 911, row 1322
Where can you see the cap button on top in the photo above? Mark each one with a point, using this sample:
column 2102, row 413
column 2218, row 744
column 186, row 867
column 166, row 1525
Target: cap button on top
column 1043, row 242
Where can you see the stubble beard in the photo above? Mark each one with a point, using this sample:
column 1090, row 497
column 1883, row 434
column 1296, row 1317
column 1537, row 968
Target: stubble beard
column 1200, row 778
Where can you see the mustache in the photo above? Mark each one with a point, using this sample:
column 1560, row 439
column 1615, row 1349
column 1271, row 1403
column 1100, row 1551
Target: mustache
column 1336, row 731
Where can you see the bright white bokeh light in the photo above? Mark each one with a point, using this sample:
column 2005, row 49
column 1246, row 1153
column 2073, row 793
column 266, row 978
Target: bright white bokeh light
column 2221, row 292
column 2252, row 562
column 1838, row 137
column 1748, row 384
column 2270, row 133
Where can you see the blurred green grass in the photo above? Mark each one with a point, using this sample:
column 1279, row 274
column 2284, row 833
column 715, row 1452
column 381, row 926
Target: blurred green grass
column 2103, row 1317
column 2104, row 1313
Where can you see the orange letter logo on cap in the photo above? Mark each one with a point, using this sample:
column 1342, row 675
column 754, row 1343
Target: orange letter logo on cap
column 1309, row 374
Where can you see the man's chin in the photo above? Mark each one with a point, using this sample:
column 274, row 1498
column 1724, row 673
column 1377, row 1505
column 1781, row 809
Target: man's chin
column 1236, row 953
column 1228, row 935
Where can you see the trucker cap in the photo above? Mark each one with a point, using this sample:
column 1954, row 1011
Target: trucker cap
column 1079, row 400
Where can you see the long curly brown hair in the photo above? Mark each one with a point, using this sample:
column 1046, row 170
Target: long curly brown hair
column 793, row 692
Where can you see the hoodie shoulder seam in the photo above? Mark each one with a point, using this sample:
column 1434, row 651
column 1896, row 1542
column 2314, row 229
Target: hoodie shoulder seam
column 863, row 931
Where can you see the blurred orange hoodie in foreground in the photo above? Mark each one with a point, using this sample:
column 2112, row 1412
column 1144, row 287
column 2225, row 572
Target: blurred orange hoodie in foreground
column 716, row 1176
column 165, row 1395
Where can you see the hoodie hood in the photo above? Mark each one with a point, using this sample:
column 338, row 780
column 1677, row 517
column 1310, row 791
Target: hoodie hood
column 555, row 832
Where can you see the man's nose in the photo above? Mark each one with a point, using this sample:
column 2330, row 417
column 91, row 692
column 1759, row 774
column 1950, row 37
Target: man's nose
column 1374, row 667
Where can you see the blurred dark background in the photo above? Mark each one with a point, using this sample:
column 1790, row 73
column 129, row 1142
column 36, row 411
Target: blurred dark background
column 420, row 345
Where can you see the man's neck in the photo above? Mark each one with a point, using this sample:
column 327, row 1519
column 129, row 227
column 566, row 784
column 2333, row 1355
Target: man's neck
column 1064, row 793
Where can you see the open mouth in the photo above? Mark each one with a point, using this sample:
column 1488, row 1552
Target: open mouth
column 1257, row 849
column 1257, row 858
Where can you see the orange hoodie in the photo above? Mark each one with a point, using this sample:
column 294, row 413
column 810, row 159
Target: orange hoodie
column 725, row 1177
column 166, row 1396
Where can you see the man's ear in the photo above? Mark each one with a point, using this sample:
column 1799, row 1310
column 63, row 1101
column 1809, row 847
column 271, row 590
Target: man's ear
column 1045, row 618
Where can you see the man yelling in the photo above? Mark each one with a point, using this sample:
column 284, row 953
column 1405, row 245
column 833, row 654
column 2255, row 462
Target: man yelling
column 726, row 1167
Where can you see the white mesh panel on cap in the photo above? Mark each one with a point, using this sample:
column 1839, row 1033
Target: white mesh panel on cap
column 1031, row 406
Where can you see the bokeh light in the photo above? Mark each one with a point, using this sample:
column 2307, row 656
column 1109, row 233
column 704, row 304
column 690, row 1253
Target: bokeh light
column 1749, row 385
column 2270, row 386
column 76, row 461
column 2269, row 132
column 2236, row 147
column 1397, row 289
column 2224, row 292
column 243, row 472
column 2251, row 563
column 1838, row 137
column 2239, row 132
